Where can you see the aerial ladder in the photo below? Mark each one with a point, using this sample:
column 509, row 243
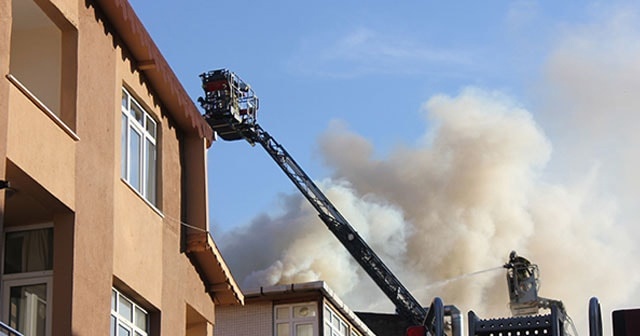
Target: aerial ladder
column 525, row 305
column 230, row 109
column 523, row 284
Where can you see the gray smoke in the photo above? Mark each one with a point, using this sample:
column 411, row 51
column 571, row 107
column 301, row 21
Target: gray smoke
column 555, row 181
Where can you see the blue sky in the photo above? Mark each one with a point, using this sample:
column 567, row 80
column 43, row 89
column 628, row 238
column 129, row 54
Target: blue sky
column 371, row 66
column 470, row 126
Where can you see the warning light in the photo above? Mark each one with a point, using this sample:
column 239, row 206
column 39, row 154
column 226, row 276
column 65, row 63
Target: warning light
column 416, row 331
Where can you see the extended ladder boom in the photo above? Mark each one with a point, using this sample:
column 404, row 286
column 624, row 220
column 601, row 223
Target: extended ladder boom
column 405, row 303
column 231, row 108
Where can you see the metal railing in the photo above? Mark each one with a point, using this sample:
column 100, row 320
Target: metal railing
column 6, row 330
column 595, row 317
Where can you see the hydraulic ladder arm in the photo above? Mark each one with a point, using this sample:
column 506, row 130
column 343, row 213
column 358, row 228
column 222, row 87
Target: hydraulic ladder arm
column 231, row 108
column 405, row 303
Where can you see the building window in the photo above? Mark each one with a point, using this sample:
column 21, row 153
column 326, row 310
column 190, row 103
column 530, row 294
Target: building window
column 300, row 319
column 139, row 162
column 127, row 318
column 43, row 57
column 26, row 280
column 334, row 325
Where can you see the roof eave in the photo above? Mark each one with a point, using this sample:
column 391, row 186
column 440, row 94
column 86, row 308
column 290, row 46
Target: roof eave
column 216, row 276
column 149, row 60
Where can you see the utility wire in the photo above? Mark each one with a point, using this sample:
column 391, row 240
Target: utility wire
column 175, row 220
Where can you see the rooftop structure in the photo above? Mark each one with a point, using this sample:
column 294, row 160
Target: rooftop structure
column 310, row 308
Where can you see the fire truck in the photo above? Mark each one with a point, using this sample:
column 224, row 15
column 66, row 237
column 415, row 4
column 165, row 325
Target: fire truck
column 230, row 107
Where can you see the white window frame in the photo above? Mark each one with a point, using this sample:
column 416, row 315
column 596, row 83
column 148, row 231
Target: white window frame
column 296, row 321
column 26, row 278
column 147, row 129
column 330, row 316
column 6, row 292
column 122, row 320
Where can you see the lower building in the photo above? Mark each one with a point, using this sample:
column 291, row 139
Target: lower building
column 302, row 309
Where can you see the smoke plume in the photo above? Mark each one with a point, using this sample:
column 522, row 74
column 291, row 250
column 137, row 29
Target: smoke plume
column 555, row 181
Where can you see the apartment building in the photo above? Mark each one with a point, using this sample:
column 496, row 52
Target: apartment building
column 301, row 309
column 103, row 200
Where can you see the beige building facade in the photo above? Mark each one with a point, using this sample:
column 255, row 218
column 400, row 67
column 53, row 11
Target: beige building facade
column 103, row 214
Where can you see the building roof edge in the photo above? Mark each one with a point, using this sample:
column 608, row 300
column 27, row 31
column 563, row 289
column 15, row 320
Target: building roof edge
column 320, row 286
column 149, row 60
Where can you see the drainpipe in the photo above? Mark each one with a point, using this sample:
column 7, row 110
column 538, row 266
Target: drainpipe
column 456, row 319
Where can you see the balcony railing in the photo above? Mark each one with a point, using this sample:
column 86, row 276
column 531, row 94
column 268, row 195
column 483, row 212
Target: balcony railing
column 6, row 330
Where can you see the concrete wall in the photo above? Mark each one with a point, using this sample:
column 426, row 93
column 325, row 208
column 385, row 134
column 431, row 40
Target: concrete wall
column 105, row 233
column 5, row 86
column 41, row 148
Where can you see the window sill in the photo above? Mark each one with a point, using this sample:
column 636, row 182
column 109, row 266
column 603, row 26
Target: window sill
column 27, row 275
column 42, row 107
column 153, row 207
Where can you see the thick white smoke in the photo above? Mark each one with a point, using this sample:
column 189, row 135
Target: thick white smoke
column 557, row 183
column 313, row 253
column 464, row 192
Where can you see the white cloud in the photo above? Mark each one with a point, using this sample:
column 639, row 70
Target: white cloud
column 364, row 51
column 521, row 13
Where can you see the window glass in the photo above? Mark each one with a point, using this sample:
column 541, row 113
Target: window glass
column 282, row 329
column 123, row 147
column 28, row 251
column 304, row 329
column 137, row 113
column 298, row 319
column 28, row 266
column 134, row 158
column 123, row 331
column 130, row 318
column 150, row 180
column 151, row 127
column 125, row 100
column 282, row 313
column 112, row 328
column 141, row 319
column 125, row 309
column 139, row 148
column 334, row 324
column 28, row 309
column 114, row 296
